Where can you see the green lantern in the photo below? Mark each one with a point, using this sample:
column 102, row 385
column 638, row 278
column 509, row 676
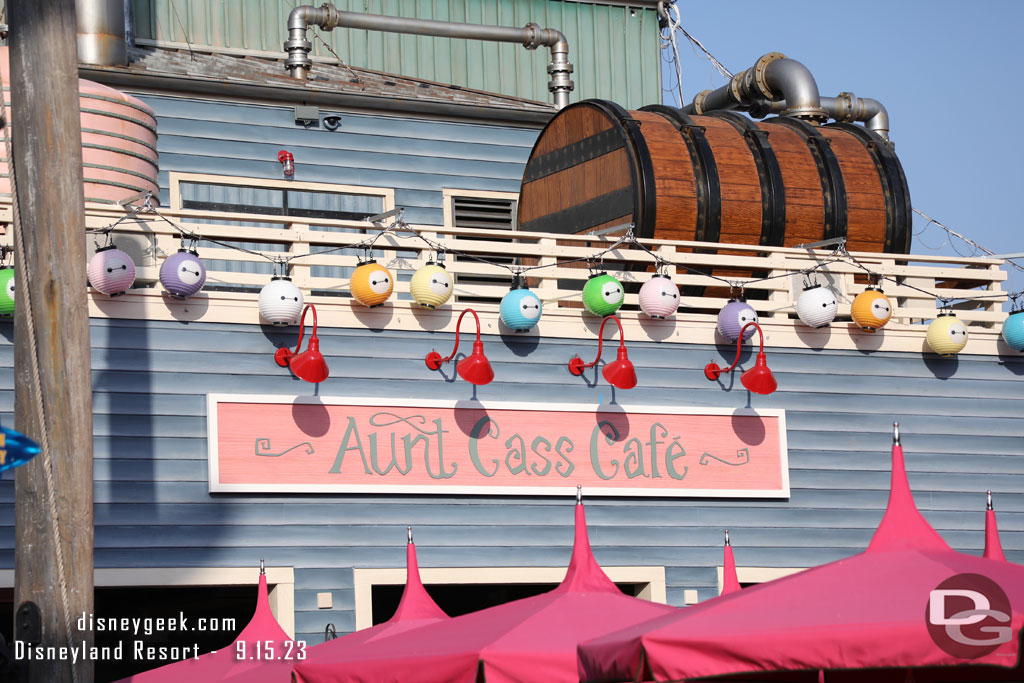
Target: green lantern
column 6, row 291
column 603, row 294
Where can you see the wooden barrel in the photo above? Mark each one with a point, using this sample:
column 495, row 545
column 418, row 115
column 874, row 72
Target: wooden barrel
column 720, row 177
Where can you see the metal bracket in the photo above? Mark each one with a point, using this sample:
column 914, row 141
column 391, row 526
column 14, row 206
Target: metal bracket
column 822, row 243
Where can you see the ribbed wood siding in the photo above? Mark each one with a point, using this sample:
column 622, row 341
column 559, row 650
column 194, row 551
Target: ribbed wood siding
column 960, row 420
column 416, row 158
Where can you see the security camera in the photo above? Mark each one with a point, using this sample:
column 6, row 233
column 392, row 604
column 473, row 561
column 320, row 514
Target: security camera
column 332, row 122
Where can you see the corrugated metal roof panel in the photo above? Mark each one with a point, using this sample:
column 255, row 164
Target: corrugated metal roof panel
column 614, row 47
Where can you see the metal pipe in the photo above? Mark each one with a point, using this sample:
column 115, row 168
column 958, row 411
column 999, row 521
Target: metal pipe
column 845, row 107
column 773, row 77
column 328, row 17
column 101, row 32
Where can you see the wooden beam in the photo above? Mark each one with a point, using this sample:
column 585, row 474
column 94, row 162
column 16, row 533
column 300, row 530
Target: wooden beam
column 53, row 398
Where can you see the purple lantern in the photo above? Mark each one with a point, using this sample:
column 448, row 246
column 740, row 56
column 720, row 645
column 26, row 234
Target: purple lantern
column 111, row 271
column 733, row 316
column 183, row 274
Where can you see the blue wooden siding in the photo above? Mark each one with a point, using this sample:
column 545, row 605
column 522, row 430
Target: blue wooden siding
column 416, row 158
column 962, row 435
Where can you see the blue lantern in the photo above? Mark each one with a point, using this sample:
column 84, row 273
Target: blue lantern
column 15, row 449
column 1013, row 330
column 520, row 308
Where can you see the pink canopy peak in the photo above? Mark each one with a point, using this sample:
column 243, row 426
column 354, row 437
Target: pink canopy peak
column 730, row 582
column 584, row 575
column 416, row 603
column 993, row 546
column 263, row 625
column 903, row 527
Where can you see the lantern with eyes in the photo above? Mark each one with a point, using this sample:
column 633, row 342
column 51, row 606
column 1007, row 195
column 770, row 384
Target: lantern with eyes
column 183, row 274
column 431, row 286
column 6, row 291
column 280, row 301
column 871, row 309
column 603, row 294
column 659, row 297
column 1013, row 330
column 371, row 283
column 520, row 309
column 111, row 271
column 733, row 316
column 946, row 335
column 817, row 306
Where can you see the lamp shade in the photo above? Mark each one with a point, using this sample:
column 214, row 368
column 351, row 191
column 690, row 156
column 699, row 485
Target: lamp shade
column 280, row 301
column 7, row 291
column 111, row 271
column 817, row 306
column 183, row 274
column 759, row 379
column 475, row 368
column 946, row 335
column 602, row 294
column 733, row 316
column 309, row 365
column 659, row 297
column 520, row 309
column 620, row 373
column 371, row 283
column 1013, row 330
column 871, row 309
column 431, row 286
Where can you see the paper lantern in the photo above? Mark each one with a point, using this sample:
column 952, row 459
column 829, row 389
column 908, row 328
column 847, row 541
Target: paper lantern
column 520, row 309
column 280, row 301
column 183, row 274
column 1013, row 330
column 946, row 335
column 733, row 316
column 6, row 291
column 659, row 297
column 871, row 309
column 431, row 286
column 111, row 271
column 603, row 294
column 817, row 306
column 371, row 283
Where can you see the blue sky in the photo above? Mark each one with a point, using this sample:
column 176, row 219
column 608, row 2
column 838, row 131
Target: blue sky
column 949, row 73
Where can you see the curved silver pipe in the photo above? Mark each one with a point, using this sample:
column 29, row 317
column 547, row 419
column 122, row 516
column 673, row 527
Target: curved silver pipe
column 845, row 107
column 774, row 77
column 328, row 17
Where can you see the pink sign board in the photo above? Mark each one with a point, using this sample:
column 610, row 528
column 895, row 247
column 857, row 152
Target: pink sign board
column 318, row 445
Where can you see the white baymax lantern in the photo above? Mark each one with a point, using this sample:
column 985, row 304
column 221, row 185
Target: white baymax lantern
column 280, row 301
column 659, row 297
column 817, row 306
column 111, row 271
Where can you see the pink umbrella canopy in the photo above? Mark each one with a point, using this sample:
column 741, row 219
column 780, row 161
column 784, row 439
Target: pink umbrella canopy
column 730, row 582
column 876, row 609
column 993, row 546
column 533, row 639
column 263, row 631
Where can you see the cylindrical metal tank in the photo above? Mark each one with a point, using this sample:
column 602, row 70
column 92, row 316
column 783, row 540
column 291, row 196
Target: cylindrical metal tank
column 119, row 157
column 720, row 177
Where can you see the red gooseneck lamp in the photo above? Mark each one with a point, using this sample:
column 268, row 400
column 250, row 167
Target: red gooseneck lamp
column 757, row 379
column 310, row 364
column 620, row 373
column 475, row 368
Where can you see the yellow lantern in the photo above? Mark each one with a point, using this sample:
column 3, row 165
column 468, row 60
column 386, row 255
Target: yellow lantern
column 431, row 286
column 947, row 335
column 371, row 283
column 871, row 309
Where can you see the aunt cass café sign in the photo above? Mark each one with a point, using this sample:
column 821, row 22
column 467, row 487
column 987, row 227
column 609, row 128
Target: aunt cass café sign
column 307, row 444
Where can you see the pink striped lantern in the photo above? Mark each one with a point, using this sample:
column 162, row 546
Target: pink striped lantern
column 659, row 297
column 111, row 271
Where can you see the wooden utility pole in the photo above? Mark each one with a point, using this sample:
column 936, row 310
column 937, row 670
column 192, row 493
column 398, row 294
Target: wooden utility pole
column 53, row 392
